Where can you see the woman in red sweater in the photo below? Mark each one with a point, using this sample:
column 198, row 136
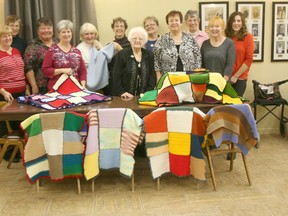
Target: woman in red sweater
column 12, row 79
column 244, row 44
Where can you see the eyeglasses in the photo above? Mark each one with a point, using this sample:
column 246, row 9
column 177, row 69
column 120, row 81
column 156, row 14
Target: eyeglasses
column 150, row 25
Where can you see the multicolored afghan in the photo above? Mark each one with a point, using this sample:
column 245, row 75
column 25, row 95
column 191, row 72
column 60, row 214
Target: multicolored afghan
column 54, row 149
column 173, row 140
column 234, row 123
column 112, row 137
column 179, row 87
column 66, row 93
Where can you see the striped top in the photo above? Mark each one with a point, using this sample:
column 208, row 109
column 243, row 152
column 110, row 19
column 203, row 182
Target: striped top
column 12, row 77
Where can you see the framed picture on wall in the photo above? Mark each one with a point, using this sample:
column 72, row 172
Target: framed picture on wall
column 254, row 13
column 279, row 31
column 207, row 10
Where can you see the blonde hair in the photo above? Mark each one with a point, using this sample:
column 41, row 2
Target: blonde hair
column 217, row 20
column 88, row 27
column 4, row 29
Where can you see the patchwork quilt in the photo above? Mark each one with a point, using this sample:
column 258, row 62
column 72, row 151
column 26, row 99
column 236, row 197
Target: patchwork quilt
column 234, row 123
column 66, row 93
column 179, row 87
column 112, row 137
column 174, row 136
column 54, row 149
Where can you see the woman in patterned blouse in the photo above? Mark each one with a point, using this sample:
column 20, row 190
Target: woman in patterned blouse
column 63, row 58
column 34, row 55
column 176, row 50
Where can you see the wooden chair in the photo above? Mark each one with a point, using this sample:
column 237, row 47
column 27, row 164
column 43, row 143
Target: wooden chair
column 217, row 151
column 232, row 125
column 12, row 138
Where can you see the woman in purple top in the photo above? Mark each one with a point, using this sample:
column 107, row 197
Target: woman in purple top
column 63, row 58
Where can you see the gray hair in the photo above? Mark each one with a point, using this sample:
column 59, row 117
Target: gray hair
column 138, row 29
column 151, row 18
column 192, row 13
column 88, row 27
column 64, row 24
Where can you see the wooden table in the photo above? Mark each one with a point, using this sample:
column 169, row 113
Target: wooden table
column 17, row 111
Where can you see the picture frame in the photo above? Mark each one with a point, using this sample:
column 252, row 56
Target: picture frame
column 279, row 31
column 254, row 13
column 207, row 10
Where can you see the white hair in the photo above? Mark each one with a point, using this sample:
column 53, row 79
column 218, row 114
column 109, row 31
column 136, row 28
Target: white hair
column 138, row 29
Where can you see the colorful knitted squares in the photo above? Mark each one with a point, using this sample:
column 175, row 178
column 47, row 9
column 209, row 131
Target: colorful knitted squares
column 178, row 149
column 112, row 137
column 178, row 87
column 54, row 148
column 66, row 93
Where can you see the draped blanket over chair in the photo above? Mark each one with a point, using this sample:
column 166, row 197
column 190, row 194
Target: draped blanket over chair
column 234, row 123
column 54, row 148
column 66, row 93
column 112, row 137
column 173, row 140
column 175, row 88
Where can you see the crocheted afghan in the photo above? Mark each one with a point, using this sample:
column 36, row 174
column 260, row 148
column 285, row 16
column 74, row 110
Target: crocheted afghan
column 66, row 93
column 112, row 137
column 54, row 149
column 234, row 123
column 174, row 136
column 179, row 87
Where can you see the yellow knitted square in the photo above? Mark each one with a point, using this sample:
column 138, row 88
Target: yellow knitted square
column 179, row 143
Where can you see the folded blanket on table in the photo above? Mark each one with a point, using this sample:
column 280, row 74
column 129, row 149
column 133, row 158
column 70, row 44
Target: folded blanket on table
column 179, row 87
column 66, row 93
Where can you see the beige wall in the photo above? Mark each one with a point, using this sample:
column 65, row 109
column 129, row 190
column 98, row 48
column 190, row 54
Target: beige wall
column 135, row 10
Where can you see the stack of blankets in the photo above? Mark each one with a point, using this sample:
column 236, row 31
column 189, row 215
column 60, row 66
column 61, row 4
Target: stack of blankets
column 66, row 93
column 175, row 88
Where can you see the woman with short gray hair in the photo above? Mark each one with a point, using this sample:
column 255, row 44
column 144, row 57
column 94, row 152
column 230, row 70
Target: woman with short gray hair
column 63, row 58
column 192, row 21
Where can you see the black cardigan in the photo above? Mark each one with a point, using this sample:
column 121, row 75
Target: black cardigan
column 125, row 73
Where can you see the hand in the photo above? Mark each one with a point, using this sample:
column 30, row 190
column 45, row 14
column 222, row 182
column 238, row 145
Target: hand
column 117, row 46
column 67, row 71
column 7, row 96
column 35, row 90
column 127, row 96
column 233, row 79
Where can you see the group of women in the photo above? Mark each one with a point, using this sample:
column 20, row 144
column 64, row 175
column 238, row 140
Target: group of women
column 135, row 69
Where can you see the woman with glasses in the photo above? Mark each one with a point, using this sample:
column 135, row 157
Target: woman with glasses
column 14, row 22
column 134, row 72
column 151, row 25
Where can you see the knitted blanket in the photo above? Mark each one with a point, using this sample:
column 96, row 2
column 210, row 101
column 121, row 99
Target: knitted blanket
column 66, row 93
column 54, row 149
column 112, row 137
column 173, row 141
column 179, row 87
column 234, row 123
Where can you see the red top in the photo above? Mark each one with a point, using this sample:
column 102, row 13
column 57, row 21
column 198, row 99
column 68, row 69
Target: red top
column 12, row 77
column 244, row 54
column 55, row 58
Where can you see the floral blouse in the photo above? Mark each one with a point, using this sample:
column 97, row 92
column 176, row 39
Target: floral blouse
column 166, row 54
column 56, row 58
column 33, row 58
